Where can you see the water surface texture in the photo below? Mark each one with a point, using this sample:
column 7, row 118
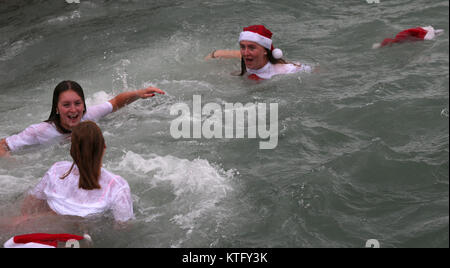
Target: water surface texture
column 363, row 145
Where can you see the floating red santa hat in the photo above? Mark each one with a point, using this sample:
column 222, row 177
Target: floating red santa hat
column 413, row 34
column 262, row 36
column 40, row 240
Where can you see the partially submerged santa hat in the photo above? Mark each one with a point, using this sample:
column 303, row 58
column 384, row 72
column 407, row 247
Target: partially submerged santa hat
column 41, row 240
column 413, row 34
column 262, row 36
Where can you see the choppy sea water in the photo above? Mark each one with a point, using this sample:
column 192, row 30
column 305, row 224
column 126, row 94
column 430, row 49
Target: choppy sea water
column 363, row 145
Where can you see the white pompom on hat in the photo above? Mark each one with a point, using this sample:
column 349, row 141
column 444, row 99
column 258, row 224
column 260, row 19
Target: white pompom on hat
column 262, row 36
column 277, row 53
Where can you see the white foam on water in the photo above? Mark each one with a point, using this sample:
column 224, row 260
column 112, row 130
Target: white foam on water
column 444, row 112
column 98, row 98
column 185, row 83
column 198, row 185
column 71, row 16
column 17, row 48
column 121, row 76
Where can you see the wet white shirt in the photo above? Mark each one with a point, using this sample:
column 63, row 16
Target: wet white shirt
column 46, row 133
column 269, row 70
column 66, row 198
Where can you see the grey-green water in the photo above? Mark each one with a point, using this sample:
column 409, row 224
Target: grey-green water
column 363, row 144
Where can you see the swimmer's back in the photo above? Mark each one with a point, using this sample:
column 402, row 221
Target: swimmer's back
column 65, row 197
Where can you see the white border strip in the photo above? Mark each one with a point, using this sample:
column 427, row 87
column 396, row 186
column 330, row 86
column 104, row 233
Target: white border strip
column 257, row 38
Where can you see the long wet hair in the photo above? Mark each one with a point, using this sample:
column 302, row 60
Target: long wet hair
column 88, row 145
column 269, row 56
column 59, row 89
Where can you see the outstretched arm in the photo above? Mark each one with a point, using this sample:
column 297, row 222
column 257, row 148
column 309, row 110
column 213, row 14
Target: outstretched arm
column 131, row 96
column 224, row 54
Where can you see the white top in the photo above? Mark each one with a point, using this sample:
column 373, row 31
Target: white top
column 66, row 198
column 46, row 133
column 270, row 70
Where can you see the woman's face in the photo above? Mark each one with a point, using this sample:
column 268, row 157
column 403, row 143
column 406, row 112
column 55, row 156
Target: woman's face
column 254, row 55
column 70, row 109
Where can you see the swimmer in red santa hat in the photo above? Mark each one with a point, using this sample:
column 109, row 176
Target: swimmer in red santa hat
column 259, row 59
column 411, row 35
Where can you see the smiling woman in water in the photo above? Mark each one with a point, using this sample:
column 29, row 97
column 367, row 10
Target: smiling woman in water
column 68, row 110
column 258, row 56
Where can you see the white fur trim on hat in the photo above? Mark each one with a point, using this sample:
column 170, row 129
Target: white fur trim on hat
column 430, row 33
column 257, row 38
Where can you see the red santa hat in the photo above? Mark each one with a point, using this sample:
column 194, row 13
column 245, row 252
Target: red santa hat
column 41, row 240
column 262, row 36
column 413, row 34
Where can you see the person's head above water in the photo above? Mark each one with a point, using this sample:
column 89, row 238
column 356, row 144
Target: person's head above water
column 87, row 149
column 68, row 110
column 257, row 49
column 68, row 106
